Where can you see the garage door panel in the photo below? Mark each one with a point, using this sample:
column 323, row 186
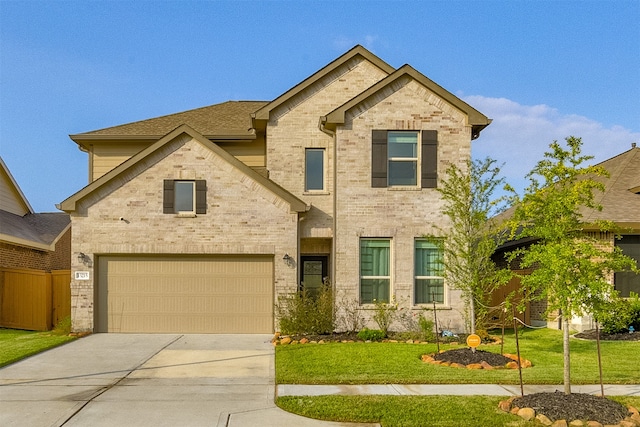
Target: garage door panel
column 221, row 294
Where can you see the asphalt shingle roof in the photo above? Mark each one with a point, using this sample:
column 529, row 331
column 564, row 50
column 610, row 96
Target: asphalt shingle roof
column 42, row 228
column 231, row 118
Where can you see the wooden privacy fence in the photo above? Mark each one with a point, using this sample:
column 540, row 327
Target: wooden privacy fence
column 34, row 299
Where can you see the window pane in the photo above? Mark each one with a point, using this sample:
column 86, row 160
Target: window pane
column 184, row 193
column 627, row 282
column 429, row 289
column 374, row 257
column 314, row 169
column 402, row 144
column 428, row 259
column 374, row 289
column 403, row 173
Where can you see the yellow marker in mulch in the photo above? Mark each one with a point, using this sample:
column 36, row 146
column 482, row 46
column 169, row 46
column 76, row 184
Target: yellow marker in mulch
column 473, row 341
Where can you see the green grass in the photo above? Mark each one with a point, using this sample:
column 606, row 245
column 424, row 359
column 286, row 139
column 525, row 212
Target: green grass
column 410, row 411
column 386, row 363
column 18, row 344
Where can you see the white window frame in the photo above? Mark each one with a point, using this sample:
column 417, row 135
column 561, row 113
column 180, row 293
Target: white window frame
column 178, row 184
column 415, row 160
column 417, row 277
column 324, row 174
column 389, row 277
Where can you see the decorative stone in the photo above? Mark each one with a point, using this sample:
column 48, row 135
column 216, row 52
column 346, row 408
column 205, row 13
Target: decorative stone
column 486, row 366
column 426, row 358
column 635, row 417
column 627, row 423
column 594, row 424
column 544, row 419
column 633, row 410
column 505, row 405
column 514, row 410
column 304, row 341
column 285, row 340
column 474, row 366
column 321, row 342
column 457, row 365
column 526, row 414
column 559, row 423
column 512, row 365
column 576, row 423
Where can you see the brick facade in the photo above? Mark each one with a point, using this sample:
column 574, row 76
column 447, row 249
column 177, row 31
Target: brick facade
column 14, row 256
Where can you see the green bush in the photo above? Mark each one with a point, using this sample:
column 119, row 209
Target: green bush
column 303, row 313
column 384, row 315
column 371, row 334
column 620, row 314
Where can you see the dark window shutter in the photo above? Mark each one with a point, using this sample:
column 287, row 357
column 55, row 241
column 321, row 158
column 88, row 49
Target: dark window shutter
column 429, row 158
column 168, row 197
column 201, row 196
column 379, row 159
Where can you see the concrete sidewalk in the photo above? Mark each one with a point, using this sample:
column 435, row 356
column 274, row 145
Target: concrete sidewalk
column 448, row 389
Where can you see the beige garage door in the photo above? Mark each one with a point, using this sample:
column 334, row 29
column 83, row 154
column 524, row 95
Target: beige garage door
column 217, row 294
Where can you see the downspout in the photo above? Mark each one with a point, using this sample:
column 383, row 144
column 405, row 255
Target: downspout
column 332, row 134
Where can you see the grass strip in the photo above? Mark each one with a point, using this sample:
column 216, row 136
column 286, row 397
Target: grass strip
column 18, row 344
column 410, row 411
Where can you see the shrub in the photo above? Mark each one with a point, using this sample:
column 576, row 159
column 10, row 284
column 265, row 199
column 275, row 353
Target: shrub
column 348, row 314
column 63, row 327
column 427, row 328
column 371, row 334
column 304, row 313
column 620, row 314
column 384, row 315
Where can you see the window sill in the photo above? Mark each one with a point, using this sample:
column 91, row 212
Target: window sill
column 186, row 215
column 407, row 188
column 316, row 193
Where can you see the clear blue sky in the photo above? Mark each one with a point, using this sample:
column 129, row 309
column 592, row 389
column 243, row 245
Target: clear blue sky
column 542, row 70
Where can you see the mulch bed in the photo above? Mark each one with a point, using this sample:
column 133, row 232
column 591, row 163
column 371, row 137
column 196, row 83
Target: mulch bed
column 575, row 406
column 465, row 356
column 591, row 335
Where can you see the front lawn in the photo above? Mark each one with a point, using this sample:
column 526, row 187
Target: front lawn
column 18, row 344
column 388, row 363
column 399, row 363
column 411, row 411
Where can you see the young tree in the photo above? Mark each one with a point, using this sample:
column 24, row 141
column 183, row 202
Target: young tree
column 469, row 203
column 571, row 269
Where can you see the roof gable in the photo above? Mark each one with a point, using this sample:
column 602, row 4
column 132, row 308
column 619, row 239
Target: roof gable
column 296, row 205
column 12, row 199
column 261, row 116
column 476, row 119
column 620, row 200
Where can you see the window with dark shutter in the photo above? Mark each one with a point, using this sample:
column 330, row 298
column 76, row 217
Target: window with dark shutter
column 183, row 197
column 429, row 158
column 379, row 159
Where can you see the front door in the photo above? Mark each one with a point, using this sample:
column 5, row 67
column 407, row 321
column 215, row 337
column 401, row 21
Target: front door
column 313, row 272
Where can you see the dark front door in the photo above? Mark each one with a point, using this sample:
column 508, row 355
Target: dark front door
column 313, row 272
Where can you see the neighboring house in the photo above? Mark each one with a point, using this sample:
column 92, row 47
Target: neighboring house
column 39, row 241
column 620, row 204
column 199, row 221
column 35, row 250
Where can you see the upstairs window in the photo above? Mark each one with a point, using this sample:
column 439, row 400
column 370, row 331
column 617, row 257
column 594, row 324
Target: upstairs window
column 398, row 161
column 185, row 196
column 314, row 169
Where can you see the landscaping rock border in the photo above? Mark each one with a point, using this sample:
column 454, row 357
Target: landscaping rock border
column 430, row 358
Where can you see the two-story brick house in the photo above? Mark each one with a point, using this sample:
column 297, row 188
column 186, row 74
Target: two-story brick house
column 199, row 221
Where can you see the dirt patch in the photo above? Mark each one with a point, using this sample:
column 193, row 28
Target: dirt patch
column 576, row 406
column 591, row 335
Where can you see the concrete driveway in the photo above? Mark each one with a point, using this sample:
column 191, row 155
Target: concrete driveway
column 147, row 380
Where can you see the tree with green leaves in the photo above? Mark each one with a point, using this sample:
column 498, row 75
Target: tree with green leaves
column 571, row 269
column 471, row 240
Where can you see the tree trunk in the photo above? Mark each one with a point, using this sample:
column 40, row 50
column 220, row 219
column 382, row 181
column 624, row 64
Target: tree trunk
column 567, row 358
column 473, row 314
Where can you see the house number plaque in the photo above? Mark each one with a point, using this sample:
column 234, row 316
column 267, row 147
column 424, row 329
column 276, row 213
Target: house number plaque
column 82, row 275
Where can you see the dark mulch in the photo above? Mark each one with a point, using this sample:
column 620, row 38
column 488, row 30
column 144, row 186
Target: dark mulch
column 465, row 356
column 591, row 335
column 575, row 406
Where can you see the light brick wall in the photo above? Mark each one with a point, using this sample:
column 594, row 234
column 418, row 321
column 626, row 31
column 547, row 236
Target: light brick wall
column 243, row 217
column 294, row 126
column 399, row 214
